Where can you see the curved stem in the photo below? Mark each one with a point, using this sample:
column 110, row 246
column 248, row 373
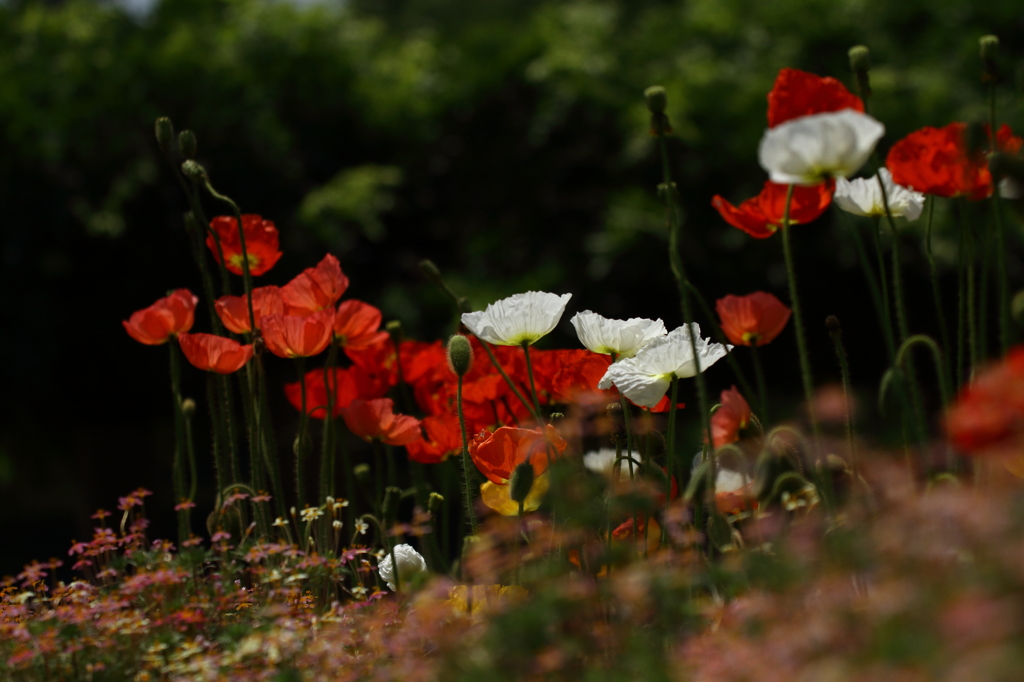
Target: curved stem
column 798, row 320
column 1005, row 329
column 940, row 367
column 300, row 450
column 511, row 384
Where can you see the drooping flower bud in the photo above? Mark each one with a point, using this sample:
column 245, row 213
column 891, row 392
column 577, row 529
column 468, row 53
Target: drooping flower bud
column 187, row 144
column 164, row 133
column 389, row 509
column 188, row 408
column 434, row 504
column 460, row 354
column 193, row 170
column 657, row 101
column 430, row 270
column 989, row 48
column 362, row 472
column 860, row 64
column 521, row 483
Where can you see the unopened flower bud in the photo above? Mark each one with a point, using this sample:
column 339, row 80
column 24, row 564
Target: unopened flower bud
column 164, row 133
column 989, row 46
column 430, row 270
column 556, row 415
column 410, row 564
column 336, row 524
column 460, row 354
column 362, row 472
column 656, row 99
column 434, row 504
column 832, row 323
column 187, row 144
column 193, row 170
column 1017, row 308
column 389, row 509
column 860, row 58
column 521, row 483
column 188, row 407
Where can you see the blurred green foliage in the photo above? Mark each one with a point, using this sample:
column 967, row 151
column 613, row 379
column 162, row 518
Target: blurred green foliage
column 506, row 140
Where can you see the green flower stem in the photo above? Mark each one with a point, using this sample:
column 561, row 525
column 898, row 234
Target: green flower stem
column 873, row 286
column 466, row 471
column 213, row 400
column 529, row 372
column 246, row 276
column 300, row 450
column 679, row 272
column 511, row 384
column 193, row 483
column 231, row 427
column 762, row 390
column 327, row 445
column 798, row 320
column 1005, row 328
column 670, row 453
column 936, row 293
column 844, row 372
column 268, row 443
column 180, row 436
column 890, row 335
column 961, row 324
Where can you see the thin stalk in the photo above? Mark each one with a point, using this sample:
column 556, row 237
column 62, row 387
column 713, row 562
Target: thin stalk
column 762, row 390
column 961, row 323
column 679, row 272
column 246, row 276
column 936, row 293
column 844, row 371
column 214, row 403
column 327, row 445
column 232, row 427
column 192, row 469
column 670, row 452
column 529, row 372
column 511, row 384
column 300, row 450
column 798, row 320
column 890, row 335
column 1005, row 329
column 268, row 441
column 873, row 286
column 179, row 442
column 465, row 461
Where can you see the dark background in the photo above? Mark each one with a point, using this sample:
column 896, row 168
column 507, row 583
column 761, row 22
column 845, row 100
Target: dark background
column 506, row 140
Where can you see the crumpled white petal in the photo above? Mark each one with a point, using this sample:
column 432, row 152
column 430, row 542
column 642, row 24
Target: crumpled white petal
column 728, row 481
column 864, row 197
column 810, row 149
column 603, row 461
column 518, row 318
column 410, row 564
column 621, row 337
column 644, row 379
column 1010, row 189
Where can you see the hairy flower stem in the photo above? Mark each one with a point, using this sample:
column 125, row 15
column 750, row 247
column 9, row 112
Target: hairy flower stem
column 798, row 320
column 679, row 272
column 268, row 443
column 466, row 471
column 936, row 293
column 1005, row 328
column 762, row 390
column 670, row 454
column 961, row 320
column 217, row 426
column 300, row 448
column 184, row 526
column 327, row 445
column 890, row 335
column 529, row 372
column 836, row 332
column 872, row 281
column 508, row 380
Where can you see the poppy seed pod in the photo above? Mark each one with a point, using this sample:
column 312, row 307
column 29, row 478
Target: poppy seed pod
column 164, row 132
column 187, row 144
column 193, row 170
column 188, row 408
column 362, row 472
column 460, row 354
column 522, row 482
column 429, row 269
column 860, row 59
column 656, row 99
column 989, row 46
column 434, row 504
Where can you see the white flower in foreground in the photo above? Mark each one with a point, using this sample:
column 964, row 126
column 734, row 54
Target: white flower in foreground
column 728, row 481
column 644, row 379
column 863, row 196
column 517, row 319
column 620, row 337
column 1010, row 189
column 410, row 564
column 810, row 149
column 603, row 461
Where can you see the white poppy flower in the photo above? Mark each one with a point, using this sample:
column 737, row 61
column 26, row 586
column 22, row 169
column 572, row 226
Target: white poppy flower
column 644, row 379
column 517, row 319
column 810, row 149
column 864, row 197
column 727, row 481
column 603, row 461
column 621, row 337
column 410, row 564
column 1010, row 189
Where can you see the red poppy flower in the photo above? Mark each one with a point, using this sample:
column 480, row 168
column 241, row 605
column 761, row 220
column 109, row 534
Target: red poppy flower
column 291, row 336
column 261, row 244
column 752, row 320
column 733, row 415
column 357, row 325
column 214, row 353
column 374, row 420
column 497, row 454
column 443, row 437
column 349, row 384
column 936, row 161
column 762, row 215
column 798, row 93
column 233, row 311
column 663, row 405
column 579, row 373
column 170, row 315
column 988, row 415
column 316, row 288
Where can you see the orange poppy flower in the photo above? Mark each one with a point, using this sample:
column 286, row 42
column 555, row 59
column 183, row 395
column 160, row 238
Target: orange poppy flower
column 261, row 243
column 580, row 372
column 349, row 384
column 170, row 315
column 752, row 320
column 316, row 288
column 936, row 161
column 357, row 325
column 733, row 415
column 374, row 420
column 292, row 336
column 988, row 415
column 762, row 216
column 214, row 353
column 799, row 93
column 233, row 311
column 497, row 454
column 443, row 437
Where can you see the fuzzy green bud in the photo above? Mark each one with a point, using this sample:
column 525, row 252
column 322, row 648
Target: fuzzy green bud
column 460, row 354
column 164, row 133
column 430, row 270
column 193, row 170
column 188, row 408
column 657, row 101
column 1017, row 308
column 362, row 472
column 521, row 483
column 832, row 323
column 434, row 504
column 389, row 509
column 988, row 47
column 187, row 144
column 393, row 327
column 860, row 59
